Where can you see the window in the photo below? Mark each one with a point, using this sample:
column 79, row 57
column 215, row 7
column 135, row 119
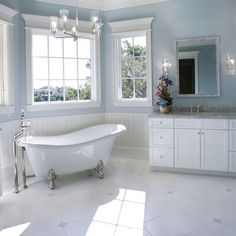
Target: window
column 6, row 75
column 6, row 60
column 61, row 73
column 132, row 62
column 62, row 69
column 133, row 67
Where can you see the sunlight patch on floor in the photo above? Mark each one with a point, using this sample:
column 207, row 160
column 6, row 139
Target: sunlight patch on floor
column 16, row 230
column 124, row 214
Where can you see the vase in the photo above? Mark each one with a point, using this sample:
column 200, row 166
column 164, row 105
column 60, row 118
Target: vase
column 165, row 109
column 165, row 106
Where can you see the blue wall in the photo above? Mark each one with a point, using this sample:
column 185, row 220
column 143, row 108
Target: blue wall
column 173, row 19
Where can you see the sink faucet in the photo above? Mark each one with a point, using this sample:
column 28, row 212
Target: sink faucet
column 198, row 107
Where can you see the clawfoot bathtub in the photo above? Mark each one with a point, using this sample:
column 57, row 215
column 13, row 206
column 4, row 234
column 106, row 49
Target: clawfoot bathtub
column 82, row 150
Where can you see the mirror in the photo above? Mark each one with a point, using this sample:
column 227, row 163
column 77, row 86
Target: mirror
column 198, row 67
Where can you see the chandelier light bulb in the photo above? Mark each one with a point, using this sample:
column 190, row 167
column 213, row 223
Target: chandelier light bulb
column 54, row 24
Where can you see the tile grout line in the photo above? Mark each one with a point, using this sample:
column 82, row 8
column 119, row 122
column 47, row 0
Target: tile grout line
column 169, row 212
column 119, row 213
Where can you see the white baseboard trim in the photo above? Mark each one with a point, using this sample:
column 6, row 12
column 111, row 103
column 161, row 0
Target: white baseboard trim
column 130, row 153
column 192, row 171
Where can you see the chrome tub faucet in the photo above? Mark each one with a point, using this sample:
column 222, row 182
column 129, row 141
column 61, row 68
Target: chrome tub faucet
column 24, row 128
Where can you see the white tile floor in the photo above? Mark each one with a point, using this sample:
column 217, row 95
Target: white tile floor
column 130, row 201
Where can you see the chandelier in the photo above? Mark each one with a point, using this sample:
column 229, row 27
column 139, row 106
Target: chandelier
column 62, row 27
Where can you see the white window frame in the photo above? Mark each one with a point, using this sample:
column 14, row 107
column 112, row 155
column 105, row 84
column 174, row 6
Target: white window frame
column 6, row 60
column 130, row 28
column 40, row 24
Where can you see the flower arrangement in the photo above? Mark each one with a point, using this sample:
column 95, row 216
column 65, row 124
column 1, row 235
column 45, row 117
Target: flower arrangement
column 163, row 91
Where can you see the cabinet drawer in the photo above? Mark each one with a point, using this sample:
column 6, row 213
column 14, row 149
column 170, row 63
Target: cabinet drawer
column 187, row 123
column 214, row 124
column 232, row 141
column 232, row 162
column 161, row 122
column 217, row 124
column 161, row 157
column 161, row 137
column 232, row 124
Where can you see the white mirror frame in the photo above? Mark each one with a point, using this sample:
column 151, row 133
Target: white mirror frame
column 217, row 42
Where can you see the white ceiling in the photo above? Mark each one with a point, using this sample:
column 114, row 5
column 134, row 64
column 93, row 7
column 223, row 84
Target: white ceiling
column 103, row 4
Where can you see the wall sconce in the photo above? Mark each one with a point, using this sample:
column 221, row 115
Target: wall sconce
column 166, row 66
column 230, row 65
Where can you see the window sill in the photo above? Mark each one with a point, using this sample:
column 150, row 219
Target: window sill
column 6, row 110
column 63, row 106
column 123, row 103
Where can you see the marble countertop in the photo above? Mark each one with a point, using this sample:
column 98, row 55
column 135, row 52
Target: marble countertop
column 195, row 115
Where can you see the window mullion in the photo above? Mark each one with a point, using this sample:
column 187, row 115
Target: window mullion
column 78, row 82
column 133, row 77
column 120, row 82
column 63, row 71
column 49, row 95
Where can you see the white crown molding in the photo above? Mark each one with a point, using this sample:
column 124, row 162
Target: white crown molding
column 35, row 21
column 6, row 13
column 103, row 5
column 131, row 25
column 91, row 4
column 117, row 4
column 43, row 22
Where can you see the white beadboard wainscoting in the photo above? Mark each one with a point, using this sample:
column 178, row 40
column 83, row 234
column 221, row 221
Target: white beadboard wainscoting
column 131, row 144
column 64, row 124
column 134, row 142
column 0, row 164
column 9, row 129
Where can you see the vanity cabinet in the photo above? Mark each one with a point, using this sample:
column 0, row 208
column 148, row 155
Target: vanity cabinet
column 199, row 144
column 161, row 140
column 232, row 145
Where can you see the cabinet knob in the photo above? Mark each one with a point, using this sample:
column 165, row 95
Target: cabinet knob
column 198, row 133
column 161, row 157
column 161, row 122
column 202, row 133
column 161, row 137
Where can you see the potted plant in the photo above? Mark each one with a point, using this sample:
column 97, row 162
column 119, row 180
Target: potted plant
column 163, row 93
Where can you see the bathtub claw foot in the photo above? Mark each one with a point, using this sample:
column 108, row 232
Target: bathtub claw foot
column 52, row 179
column 100, row 170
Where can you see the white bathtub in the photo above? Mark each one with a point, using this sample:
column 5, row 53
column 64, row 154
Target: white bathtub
column 72, row 152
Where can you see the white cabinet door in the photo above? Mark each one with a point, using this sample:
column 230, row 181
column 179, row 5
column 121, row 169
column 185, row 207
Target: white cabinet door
column 214, row 150
column 232, row 141
column 232, row 161
column 187, row 148
column 0, row 162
